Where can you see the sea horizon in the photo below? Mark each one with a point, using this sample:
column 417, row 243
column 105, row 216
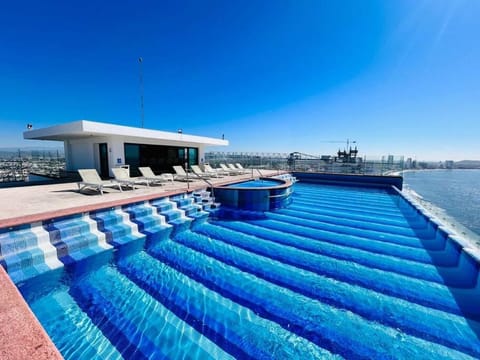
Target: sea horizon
column 452, row 191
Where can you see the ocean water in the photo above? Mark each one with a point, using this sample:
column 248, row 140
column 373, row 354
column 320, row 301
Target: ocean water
column 455, row 191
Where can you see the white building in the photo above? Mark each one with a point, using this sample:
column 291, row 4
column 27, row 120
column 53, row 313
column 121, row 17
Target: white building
column 449, row 164
column 102, row 146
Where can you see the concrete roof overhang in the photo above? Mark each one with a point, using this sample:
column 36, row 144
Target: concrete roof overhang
column 86, row 129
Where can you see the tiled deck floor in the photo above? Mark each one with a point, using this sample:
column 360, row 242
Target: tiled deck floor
column 34, row 203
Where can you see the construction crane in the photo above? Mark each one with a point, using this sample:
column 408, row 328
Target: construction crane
column 348, row 155
column 296, row 156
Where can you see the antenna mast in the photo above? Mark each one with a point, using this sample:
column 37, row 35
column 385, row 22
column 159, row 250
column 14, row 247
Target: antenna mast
column 142, row 113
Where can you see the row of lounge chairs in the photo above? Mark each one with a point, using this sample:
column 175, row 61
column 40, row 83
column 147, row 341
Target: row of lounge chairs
column 91, row 179
column 224, row 170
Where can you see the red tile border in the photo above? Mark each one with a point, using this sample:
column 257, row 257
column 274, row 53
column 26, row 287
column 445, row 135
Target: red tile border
column 21, row 335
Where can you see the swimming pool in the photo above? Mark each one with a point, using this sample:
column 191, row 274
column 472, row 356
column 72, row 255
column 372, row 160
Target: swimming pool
column 257, row 183
column 262, row 194
column 341, row 272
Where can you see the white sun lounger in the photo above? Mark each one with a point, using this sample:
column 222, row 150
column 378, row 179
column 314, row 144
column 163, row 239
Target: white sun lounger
column 180, row 174
column 209, row 169
column 91, row 180
column 199, row 173
column 229, row 170
column 240, row 167
column 148, row 174
column 122, row 176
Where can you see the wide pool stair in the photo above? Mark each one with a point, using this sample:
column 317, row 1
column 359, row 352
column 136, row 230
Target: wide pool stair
column 342, row 272
column 26, row 252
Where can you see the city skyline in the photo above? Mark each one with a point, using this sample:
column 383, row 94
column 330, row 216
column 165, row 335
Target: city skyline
column 398, row 78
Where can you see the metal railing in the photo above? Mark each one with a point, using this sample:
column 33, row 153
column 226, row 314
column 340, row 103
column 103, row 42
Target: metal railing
column 201, row 178
column 282, row 161
column 259, row 172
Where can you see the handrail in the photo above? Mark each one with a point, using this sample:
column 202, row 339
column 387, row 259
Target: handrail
column 258, row 170
column 208, row 182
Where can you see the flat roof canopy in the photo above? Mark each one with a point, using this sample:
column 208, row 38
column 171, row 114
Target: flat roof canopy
column 84, row 129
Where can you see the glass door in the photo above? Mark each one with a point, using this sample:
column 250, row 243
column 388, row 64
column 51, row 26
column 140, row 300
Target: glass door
column 103, row 152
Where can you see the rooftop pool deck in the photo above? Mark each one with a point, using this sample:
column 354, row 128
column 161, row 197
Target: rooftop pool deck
column 25, row 338
column 27, row 204
column 348, row 252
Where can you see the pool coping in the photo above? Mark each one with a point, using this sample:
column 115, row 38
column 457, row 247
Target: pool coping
column 30, row 340
column 282, row 185
column 469, row 246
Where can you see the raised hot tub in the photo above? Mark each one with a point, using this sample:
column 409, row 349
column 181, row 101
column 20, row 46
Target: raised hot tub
column 262, row 194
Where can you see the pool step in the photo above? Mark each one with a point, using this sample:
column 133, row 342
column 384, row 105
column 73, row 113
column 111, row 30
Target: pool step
column 393, row 284
column 119, row 230
column 76, row 238
column 376, row 197
column 173, row 215
column 149, row 222
column 149, row 331
column 26, row 251
column 380, row 214
column 235, row 328
column 188, row 203
column 441, row 327
column 356, row 224
column 444, row 275
column 413, row 241
column 206, row 200
column 447, row 256
column 73, row 333
column 318, row 322
column 346, row 215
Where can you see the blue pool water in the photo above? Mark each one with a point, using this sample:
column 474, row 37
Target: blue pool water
column 257, row 183
column 342, row 272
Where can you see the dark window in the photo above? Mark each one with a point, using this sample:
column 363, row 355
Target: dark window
column 103, row 153
column 159, row 158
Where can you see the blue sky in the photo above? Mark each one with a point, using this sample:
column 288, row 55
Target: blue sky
column 397, row 77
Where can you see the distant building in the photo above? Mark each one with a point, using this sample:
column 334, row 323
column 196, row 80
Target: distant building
column 102, row 146
column 408, row 163
column 449, row 164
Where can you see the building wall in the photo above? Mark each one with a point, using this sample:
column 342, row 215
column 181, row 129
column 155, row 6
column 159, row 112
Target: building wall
column 83, row 153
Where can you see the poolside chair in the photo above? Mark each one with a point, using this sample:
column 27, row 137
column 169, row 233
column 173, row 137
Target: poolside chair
column 233, row 168
column 229, row 170
column 148, row 174
column 123, row 177
column 199, row 173
column 209, row 169
column 91, row 179
column 180, row 174
column 240, row 167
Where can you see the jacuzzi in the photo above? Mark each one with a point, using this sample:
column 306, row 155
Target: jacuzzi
column 262, row 194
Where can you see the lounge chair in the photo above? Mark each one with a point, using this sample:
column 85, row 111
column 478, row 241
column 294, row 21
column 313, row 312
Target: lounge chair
column 240, row 167
column 199, row 173
column 233, row 168
column 123, row 177
column 180, row 174
column 230, row 171
column 209, row 169
column 148, row 174
column 91, row 179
